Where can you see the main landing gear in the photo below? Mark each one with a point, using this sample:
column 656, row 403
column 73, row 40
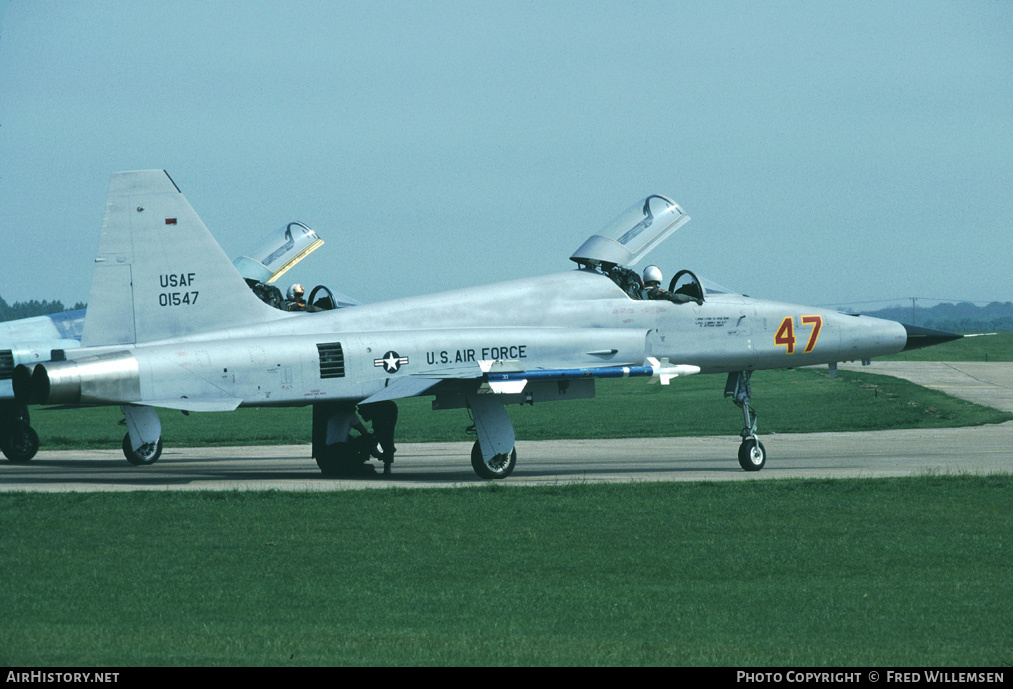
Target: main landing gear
column 493, row 456
column 142, row 444
column 148, row 453
column 18, row 440
column 752, row 455
column 497, row 466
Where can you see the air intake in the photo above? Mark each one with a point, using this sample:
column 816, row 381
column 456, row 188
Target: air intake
column 6, row 364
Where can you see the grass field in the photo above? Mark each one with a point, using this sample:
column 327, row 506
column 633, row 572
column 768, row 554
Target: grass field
column 893, row 572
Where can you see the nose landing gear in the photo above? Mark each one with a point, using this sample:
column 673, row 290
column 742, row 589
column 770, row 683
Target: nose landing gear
column 752, row 455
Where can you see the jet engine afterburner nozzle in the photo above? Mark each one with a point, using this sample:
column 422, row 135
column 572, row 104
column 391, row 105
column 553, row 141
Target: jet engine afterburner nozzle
column 21, row 381
column 92, row 380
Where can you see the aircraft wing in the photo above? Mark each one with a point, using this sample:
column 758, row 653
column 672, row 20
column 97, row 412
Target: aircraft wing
column 199, row 404
column 509, row 376
column 403, row 387
column 660, row 371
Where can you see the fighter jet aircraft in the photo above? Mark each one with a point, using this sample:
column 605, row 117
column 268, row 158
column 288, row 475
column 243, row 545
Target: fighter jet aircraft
column 171, row 324
column 32, row 340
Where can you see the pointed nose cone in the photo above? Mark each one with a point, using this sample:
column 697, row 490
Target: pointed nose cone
column 918, row 337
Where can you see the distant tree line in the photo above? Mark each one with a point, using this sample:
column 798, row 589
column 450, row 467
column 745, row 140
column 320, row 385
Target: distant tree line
column 27, row 309
column 960, row 317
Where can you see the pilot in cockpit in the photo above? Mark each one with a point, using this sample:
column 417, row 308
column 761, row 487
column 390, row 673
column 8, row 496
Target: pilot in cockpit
column 295, row 301
column 653, row 289
column 652, row 279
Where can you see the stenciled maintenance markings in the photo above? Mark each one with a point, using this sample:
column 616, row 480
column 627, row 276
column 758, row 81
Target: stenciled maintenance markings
column 458, row 356
column 712, row 322
column 177, row 298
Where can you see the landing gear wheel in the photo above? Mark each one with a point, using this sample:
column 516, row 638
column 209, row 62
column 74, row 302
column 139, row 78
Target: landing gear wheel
column 349, row 459
column 752, row 456
column 20, row 444
column 498, row 467
column 145, row 454
column 344, row 467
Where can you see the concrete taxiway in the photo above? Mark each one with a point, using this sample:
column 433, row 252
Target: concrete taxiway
column 977, row 450
column 990, row 384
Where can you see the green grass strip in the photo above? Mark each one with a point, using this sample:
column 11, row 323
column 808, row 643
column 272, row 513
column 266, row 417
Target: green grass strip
column 891, row 572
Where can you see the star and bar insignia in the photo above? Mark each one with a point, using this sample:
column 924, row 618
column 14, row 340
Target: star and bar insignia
column 391, row 362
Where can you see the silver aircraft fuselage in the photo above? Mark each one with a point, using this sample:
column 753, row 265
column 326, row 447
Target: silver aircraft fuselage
column 578, row 319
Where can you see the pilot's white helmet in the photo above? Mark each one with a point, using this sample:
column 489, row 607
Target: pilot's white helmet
column 652, row 274
column 295, row 292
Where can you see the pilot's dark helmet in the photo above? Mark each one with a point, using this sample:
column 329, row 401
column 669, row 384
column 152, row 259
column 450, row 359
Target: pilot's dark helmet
column 295, row 292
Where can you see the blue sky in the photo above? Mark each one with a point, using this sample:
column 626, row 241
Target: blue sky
column 828, row 153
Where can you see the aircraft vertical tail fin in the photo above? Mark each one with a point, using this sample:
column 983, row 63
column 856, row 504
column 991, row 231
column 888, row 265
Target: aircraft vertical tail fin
column 159, row 273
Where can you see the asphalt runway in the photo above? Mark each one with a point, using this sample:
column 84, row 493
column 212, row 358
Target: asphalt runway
column 977, row 450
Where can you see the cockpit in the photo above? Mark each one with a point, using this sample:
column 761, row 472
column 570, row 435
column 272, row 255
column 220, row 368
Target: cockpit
column 628, row 238
column 273, row 256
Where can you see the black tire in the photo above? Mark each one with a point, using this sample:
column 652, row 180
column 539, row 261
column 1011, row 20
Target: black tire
column 20, row 443
column 146, row 454
column 345, row 462
column 752, row 456
column 498, row 467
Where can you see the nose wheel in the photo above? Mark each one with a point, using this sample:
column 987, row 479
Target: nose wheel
column 752, row 456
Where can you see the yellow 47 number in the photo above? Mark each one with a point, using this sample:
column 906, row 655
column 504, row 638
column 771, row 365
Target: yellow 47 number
column 785, row 336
